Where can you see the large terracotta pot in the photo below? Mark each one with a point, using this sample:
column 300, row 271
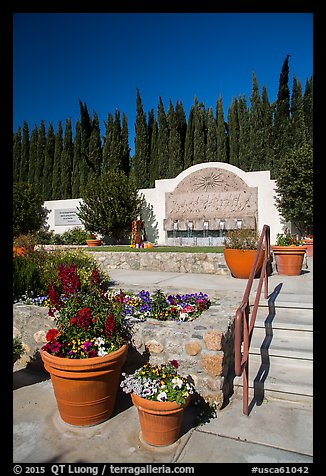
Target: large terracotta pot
column 289, row 259
column 310, row 247
column 160, row 421
column 240, row 262
column 93, row 242
column 85, row 389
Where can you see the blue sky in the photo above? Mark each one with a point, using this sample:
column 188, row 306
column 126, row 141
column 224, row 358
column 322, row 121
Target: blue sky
column 101, row 58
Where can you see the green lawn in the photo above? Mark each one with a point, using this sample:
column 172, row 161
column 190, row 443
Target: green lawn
column 161, row 249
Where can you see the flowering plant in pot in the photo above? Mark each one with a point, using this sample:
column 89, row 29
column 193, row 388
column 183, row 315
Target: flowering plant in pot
column 160, row 395
column 84, row 353
column 92, row 240
column 289, row 252
column 240, row 248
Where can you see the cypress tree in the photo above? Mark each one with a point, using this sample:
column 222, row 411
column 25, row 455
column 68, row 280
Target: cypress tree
column 95, row 148
column 75, row 180
column 141, row 157
column 234, row 133
column 199, row 132
column 154, row 170
column 125, row 158
column 67, row 158
column 244, row 134
column 40, row 159
column 17, row 153
column 211, row 145
column 33, row 155
column 24, row 162
column 282, row 114
column 182, row 125
column 308, row 110
column 48, row 164
column 298, row 130
column 56, row 174
column 86, row 129
column 189, row 141
column 106, row 155
column 267, row 118
column 175, row 144
column 162, row 141
column 222, row 146
column 256, row 128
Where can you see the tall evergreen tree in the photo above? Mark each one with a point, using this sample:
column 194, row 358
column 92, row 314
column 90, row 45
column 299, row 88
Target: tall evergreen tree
column 222, row 146
column 67, row 162
column 40, row 159
column 175, row 143
column 244, row 134
column 256, row 131
column 17, row 154
column 108, row 138
column 33, row 155
column 125, row 158
column 95, row 148
column 86, row 130
column 24, row 162
column 163, row 141
column 298, row 129
column 234, row 133
column 56, row 174
column 141, row 156
column 189, row 140
column 182, row 125
column 267, row 118
column 154, row 170
column 308, row 110
column 211, row 145
column 48, row 163
column 199, row 132
column 282, row 115
column 75, row 179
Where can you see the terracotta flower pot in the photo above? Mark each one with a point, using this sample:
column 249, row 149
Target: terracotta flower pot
column 160, row 421
column 93, row 242
column 85, row 389
column 240, row 262
column 310, row 247
column 289, row 259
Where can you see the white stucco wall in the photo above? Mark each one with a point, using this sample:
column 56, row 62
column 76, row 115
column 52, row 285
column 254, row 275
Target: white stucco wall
column 267, row 211
column 154, row 212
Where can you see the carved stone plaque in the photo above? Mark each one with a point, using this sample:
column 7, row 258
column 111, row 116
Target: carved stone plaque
column 210, row 194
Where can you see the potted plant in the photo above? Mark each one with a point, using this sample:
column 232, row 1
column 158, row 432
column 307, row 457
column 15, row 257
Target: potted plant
column 18, row 349
column 289, row 252
column 240, row 248
column 308, row 241
column 92, row 240
column 160, row 395
column 86, row 350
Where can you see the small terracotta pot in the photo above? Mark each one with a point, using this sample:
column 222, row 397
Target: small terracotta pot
column 289, row 259
column 240, row 262
column 160, row 421
column 85, row 389
column 93, row 242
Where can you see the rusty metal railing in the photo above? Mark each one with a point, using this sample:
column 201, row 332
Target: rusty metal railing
column 243, row 327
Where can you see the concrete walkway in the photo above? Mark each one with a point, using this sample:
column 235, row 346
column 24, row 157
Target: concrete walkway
column 277, row 431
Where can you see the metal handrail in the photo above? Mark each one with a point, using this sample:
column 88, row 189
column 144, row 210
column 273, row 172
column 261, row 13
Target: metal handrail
column 243, row 327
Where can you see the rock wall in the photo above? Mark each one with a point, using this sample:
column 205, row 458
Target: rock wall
column 203, row 347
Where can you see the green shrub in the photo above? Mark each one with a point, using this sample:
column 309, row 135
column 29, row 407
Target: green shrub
column 26, row 277
column 242, row 239
column 17, row 348
column 75, row 236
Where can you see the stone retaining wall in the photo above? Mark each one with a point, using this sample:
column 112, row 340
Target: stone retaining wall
column 207, row 263
column 203, row 347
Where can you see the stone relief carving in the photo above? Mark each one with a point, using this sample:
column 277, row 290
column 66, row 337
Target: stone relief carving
column 209, row 194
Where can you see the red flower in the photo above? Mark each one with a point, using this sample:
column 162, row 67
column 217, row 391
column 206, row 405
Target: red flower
column 69, row 279
column 174, row 363
column 109, row 325
column 84, row 316
column 51, row 335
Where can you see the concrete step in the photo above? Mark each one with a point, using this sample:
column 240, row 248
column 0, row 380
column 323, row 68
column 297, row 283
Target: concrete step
column 294, row 344
column 285, row 318
column 288, row 301
column 279, row 377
